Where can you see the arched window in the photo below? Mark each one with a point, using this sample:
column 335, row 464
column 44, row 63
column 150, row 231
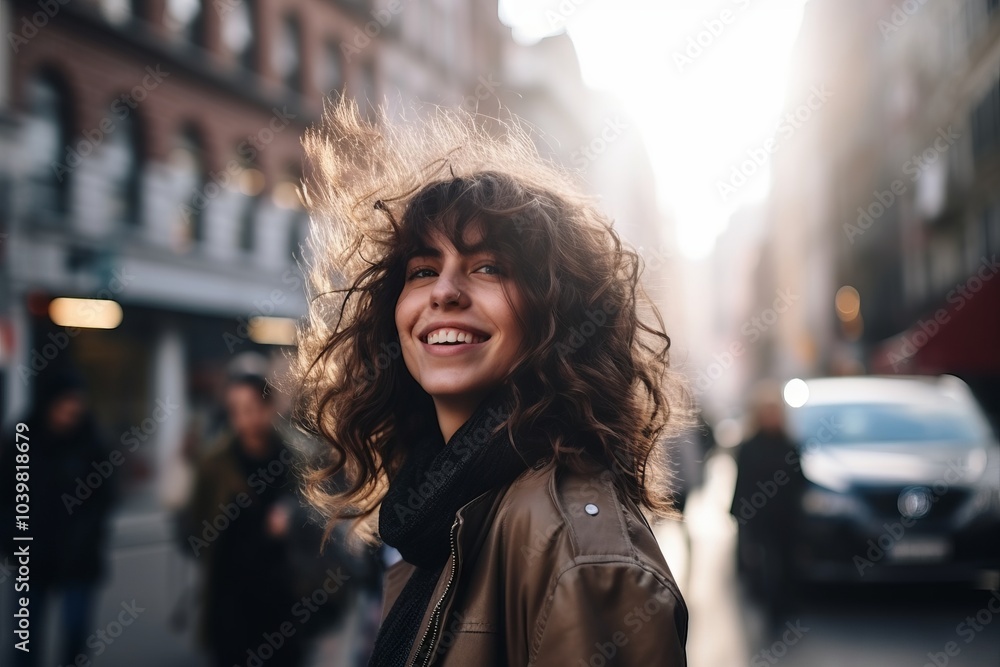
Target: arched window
column 50, row 163
column 123, row 167
column 183, row 19
column 287, row 54
column 239, row 32
column 187, row 163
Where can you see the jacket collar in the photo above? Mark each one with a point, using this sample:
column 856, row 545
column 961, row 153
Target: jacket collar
column 473, row 521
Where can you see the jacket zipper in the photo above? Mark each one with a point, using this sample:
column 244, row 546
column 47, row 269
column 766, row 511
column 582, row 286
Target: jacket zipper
column 435, row 615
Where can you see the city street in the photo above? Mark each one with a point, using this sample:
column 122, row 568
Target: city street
column 840, row 627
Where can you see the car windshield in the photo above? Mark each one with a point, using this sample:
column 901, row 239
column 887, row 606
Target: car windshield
column 885, row 422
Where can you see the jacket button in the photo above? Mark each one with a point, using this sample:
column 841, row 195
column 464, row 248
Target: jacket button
column 591, row 509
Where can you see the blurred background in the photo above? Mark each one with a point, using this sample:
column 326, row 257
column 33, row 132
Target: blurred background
column 814, row 186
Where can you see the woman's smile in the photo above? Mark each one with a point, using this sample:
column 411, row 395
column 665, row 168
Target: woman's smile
column 449, row 339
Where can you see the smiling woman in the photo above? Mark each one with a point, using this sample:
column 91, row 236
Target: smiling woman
column 489, row 374
column 458, row 327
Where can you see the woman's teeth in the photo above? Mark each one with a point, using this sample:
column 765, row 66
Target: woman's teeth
column 442, row 336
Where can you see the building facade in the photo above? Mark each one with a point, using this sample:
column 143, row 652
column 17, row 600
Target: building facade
column 150, row 156
column 884, row 210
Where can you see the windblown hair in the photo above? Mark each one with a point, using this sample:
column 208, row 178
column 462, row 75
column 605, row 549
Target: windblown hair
column 593, row 378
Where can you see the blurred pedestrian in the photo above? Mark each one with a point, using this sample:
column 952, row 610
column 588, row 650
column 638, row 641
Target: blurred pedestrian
column 342, row 630
column 71, row 489
column 765, row 502
column 489, row 381
column 688, row 452
column 238, row 524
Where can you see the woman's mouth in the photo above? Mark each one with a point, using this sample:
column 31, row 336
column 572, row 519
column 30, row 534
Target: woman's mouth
column 449, row 336
column 447, row 341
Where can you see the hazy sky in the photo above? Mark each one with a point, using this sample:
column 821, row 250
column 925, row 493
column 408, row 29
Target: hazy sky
column 704, row 82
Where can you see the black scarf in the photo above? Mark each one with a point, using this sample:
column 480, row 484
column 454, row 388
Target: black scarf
column 419, row 508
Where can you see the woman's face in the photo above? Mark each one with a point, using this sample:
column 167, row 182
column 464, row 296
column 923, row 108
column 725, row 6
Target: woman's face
column 459, row 335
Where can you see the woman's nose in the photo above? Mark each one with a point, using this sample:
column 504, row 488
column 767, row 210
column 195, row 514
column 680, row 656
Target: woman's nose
column 447, row 290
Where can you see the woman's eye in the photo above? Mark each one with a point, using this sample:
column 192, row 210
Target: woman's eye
column 492, row 269
column 420, row 273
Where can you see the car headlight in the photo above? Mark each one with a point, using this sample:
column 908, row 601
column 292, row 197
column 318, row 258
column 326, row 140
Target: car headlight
column 822, row 502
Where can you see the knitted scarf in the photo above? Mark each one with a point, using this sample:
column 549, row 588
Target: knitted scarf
column 419, row 509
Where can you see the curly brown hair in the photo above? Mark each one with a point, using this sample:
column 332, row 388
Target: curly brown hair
column 593, row 377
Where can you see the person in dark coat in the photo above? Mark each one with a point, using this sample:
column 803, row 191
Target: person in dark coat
column 237, row 524
column 768, row 491
column 70, row 500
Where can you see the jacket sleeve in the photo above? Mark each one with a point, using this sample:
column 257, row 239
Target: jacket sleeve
column 611, row 613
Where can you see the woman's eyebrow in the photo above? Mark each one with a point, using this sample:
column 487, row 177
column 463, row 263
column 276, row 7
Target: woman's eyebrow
column 480, row 248
column 424, row 251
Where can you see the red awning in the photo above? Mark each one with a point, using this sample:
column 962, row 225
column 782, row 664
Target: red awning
column 962, row 336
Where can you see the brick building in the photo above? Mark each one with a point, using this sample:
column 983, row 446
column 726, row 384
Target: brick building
column 150, row 157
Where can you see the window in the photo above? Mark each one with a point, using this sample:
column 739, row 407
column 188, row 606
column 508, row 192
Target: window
column 985, row 122
column 330, row 76
column 238, row 34
column 186, row 162
column 249, row 185
column 123, row 168
column 183, row 19
column 118, row 11
column 46, row 134
column 286, row 55
column 286, row 197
